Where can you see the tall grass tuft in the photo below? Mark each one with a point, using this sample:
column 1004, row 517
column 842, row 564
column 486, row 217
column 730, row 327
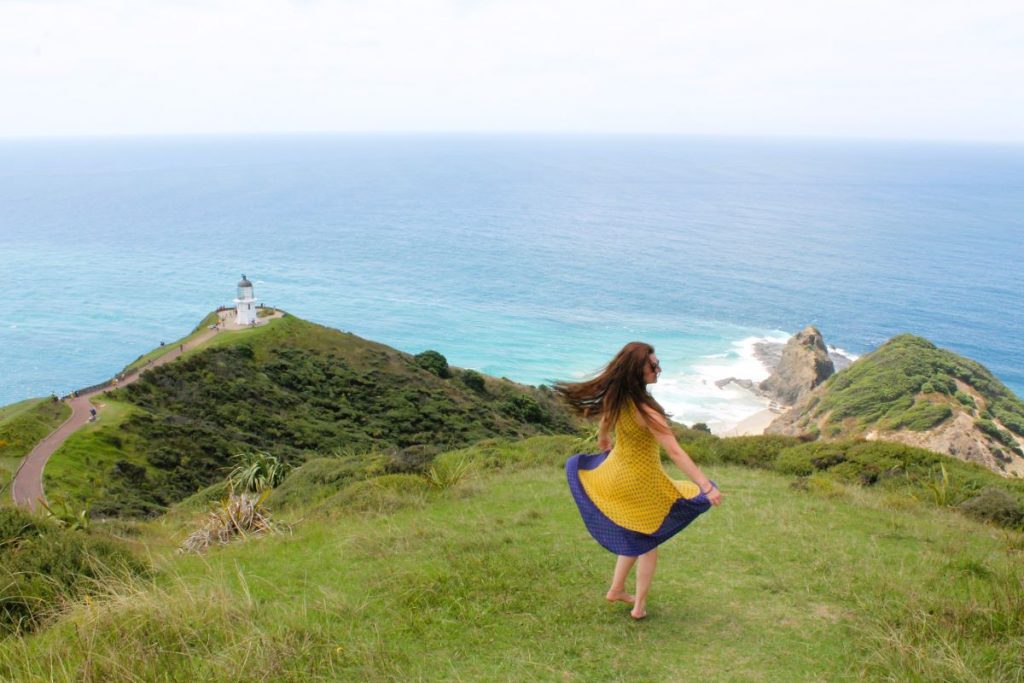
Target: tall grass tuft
column 444, row 474
column 256, row 471
column 239, row 515
column 940, row 488
column 64, row 515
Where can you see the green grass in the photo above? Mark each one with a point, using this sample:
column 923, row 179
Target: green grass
column 156, row 353
column 79, row 472
column 497, row 579
column 22, row 426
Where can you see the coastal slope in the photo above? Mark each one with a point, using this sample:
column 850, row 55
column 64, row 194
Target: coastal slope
column 912, row 392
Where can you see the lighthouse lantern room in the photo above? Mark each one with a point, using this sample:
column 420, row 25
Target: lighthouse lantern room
column 245, row 304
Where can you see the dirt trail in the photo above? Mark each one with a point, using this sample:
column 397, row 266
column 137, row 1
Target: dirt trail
column 27, row 484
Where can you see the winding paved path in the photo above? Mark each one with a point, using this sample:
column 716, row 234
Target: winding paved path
column 27, row 484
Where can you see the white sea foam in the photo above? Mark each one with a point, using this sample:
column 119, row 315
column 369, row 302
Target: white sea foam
column 691, row 394
column 835, row 350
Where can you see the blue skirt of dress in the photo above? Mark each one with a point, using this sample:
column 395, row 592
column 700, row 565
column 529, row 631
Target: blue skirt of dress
column 618, row 539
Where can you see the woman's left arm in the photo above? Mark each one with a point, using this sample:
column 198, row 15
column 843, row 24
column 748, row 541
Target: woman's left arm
column 604, row 434
column 663, row 435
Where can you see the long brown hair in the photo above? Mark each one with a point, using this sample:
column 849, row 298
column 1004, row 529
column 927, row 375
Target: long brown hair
column 621, row 382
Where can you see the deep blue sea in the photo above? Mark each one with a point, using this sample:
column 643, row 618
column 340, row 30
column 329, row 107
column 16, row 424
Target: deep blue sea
column 531, row 257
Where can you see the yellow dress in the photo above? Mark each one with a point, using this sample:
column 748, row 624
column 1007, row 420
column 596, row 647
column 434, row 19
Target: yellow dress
column 627, row 501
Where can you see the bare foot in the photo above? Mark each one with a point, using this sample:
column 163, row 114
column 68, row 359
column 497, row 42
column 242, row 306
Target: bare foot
column 619, row 596
column 638, row 613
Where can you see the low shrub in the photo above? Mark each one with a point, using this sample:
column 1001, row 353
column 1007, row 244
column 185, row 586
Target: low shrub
column 383, row 494
column 965, row 399
column 321, row 478
column 474, row 380
column 995, row 505
column 533, row 452
column 433, row 362
column 930, row 477
column 825, row 486
column 923, row 415
column 42, row 567
column 525, row 408
column 802, row 460
column 751, row 451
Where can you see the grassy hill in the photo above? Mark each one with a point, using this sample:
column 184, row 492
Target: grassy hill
column 291, row 388
column 495, row 578
column 22, row 426
column 910, row 391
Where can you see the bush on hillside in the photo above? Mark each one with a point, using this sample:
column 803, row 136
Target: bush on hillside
column 965, row 399
column 995, row 505
column 750, row 451
column 433, row 362
column 804, row 459
column 864, row 462
column 992, row 430
column 474, row 380
column 923, row 415
column 927, row 475
column 1010, row 418
column 16, row 526
column 446, row 473
column 320, row 478
column 496, row 454
column 383, row 494
column 525, row 408
column 42, row 567
column 699, row 444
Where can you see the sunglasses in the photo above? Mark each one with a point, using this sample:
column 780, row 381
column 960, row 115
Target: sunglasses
column 656, row 367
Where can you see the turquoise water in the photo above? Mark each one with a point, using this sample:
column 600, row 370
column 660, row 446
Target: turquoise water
column 529, row 257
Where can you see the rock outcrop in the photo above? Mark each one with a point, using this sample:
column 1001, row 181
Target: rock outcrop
column 803, row 365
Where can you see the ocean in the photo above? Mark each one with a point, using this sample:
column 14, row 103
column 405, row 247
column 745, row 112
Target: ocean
column 530, row 257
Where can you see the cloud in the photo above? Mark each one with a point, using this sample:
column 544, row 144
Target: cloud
column 910, row 69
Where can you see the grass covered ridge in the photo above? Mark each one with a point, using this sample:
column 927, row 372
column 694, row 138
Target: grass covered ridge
column 909, row 383
column 159, row 351
column 293, row 389
column 495, row 578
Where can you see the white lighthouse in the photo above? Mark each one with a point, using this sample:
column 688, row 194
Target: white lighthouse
column 245, row 304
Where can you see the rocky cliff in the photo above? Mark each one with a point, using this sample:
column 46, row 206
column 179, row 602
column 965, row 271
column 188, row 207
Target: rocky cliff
column 803, row 365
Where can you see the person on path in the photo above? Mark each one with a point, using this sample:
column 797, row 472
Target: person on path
column 628, row 503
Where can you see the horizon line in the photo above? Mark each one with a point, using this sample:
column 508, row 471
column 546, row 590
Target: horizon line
column 57, row 137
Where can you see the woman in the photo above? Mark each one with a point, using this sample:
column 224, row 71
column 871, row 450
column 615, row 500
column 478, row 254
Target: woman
column 627, row 501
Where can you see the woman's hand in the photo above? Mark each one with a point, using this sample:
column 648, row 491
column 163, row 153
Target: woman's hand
column 714, row 495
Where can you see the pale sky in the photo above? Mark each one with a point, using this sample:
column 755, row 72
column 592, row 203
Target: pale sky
column 912, row 69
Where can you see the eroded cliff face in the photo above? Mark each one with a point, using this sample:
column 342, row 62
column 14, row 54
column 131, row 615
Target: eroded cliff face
column 804, row 365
